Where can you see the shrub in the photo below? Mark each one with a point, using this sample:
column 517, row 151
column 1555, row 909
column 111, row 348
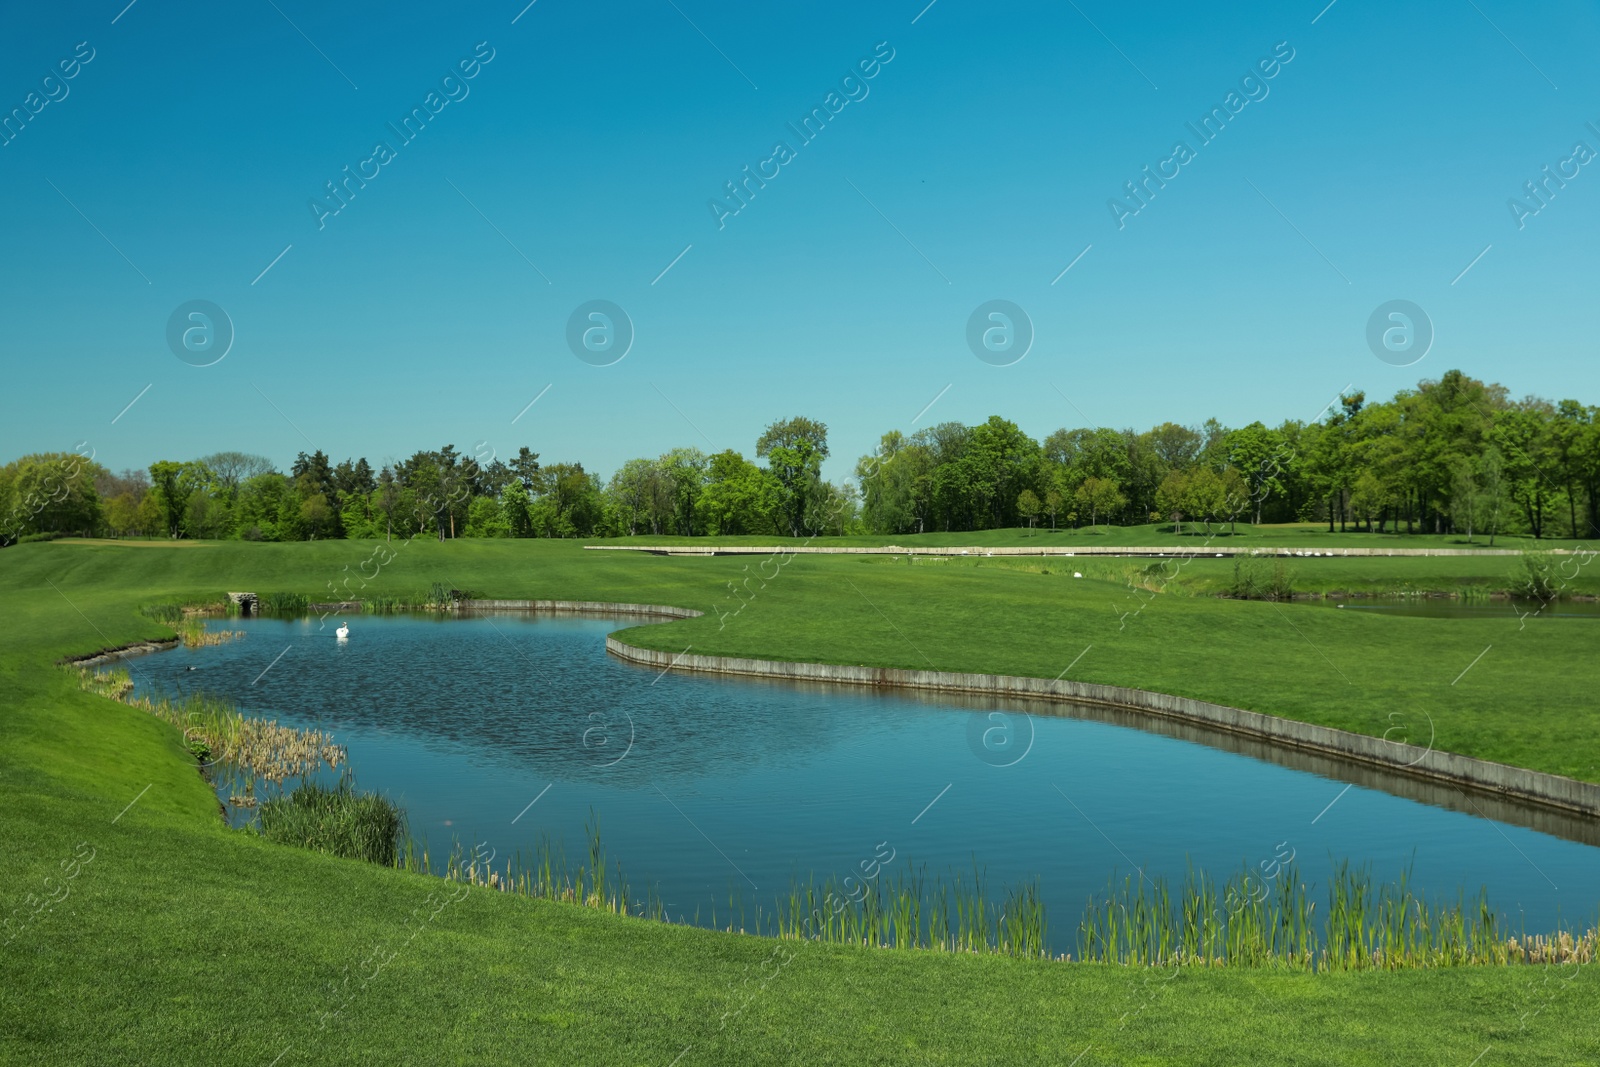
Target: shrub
column 1537, row 578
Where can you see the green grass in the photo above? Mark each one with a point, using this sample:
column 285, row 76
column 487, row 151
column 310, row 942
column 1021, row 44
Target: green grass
column 186, row 942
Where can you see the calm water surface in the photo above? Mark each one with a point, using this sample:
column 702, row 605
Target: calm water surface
column 738, row 785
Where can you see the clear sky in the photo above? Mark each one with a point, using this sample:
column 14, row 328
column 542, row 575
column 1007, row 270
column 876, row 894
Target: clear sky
column 579, row 161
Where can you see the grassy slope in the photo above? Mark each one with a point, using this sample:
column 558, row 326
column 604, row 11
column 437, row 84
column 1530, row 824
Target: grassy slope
column 184, row 942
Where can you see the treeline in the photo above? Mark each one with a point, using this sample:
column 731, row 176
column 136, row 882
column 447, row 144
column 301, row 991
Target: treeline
column 1450, row 456
column 1454, row 455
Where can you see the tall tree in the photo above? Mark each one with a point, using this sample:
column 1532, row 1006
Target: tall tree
column 794, row 450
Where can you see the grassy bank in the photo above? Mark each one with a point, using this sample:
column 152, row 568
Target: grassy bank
column 182, row 941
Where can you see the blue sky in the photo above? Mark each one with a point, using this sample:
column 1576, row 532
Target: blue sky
column 977, row 166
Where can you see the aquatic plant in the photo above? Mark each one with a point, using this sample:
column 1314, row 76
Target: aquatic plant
column 335, row 820
column 289, row 604
column 194, row 634
column 1367, row 926
column 543, row 874
column 174, row 612
column 260, row 747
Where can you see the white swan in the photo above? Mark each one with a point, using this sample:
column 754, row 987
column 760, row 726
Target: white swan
column 343, row 632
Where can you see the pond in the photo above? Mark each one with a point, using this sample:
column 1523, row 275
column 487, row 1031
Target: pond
column 501, row 728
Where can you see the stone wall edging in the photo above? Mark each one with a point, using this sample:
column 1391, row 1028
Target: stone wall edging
column 1537, row 787
column 585, row 606
column 1062, row 551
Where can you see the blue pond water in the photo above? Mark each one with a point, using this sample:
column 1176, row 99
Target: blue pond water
column 738, row 785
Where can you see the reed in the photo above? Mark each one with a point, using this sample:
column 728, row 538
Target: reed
column 286, row 604
column 438, row 597
column 543, row 873
column 216, row 731
column 174, row 612
column 905, row 911
column 335, row 820
column 194, row 634
column 1367, row 926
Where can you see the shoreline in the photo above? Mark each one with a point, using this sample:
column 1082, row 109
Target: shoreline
column 1549, row 791
column 1567, row 795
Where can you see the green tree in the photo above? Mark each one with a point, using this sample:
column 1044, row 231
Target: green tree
column 1029, row 506
column 231, row 470
column 1099, row 496
column 49, row 492
column 1172, row 498
column 1491, row 476
column 1257, row 453
column 486, row 518
column 739, row 497
column 794, row 450
column 173, row 484
column 1466, row 496
column 685, row 469
column 1000, row 461
column 1523, row 435
column 1052, row 504
column 515, row 505
column 525, row 467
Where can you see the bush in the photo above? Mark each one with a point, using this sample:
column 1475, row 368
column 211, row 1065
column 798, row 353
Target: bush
column 1281, row 585
column 338, row 821
column 1247, row 582
column 1251, row 580
column 1538, row 577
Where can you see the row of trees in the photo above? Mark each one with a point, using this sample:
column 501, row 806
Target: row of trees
column 1452, row 455
column 443, row 493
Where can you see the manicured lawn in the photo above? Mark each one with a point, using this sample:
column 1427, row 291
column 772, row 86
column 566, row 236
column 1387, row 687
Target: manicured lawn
column 185, row 942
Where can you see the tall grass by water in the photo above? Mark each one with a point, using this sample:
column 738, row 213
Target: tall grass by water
column 216, row 731
column 438, row 597
column 194, row 634
column 1366, row 925
column 905, row 910
column 542, row 873
column 1244, row 922
column 336, row 820
column 177, row 612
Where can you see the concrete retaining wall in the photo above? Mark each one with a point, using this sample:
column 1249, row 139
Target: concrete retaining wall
column 589, row 607
column 1154, row 551
column 1547, row 789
